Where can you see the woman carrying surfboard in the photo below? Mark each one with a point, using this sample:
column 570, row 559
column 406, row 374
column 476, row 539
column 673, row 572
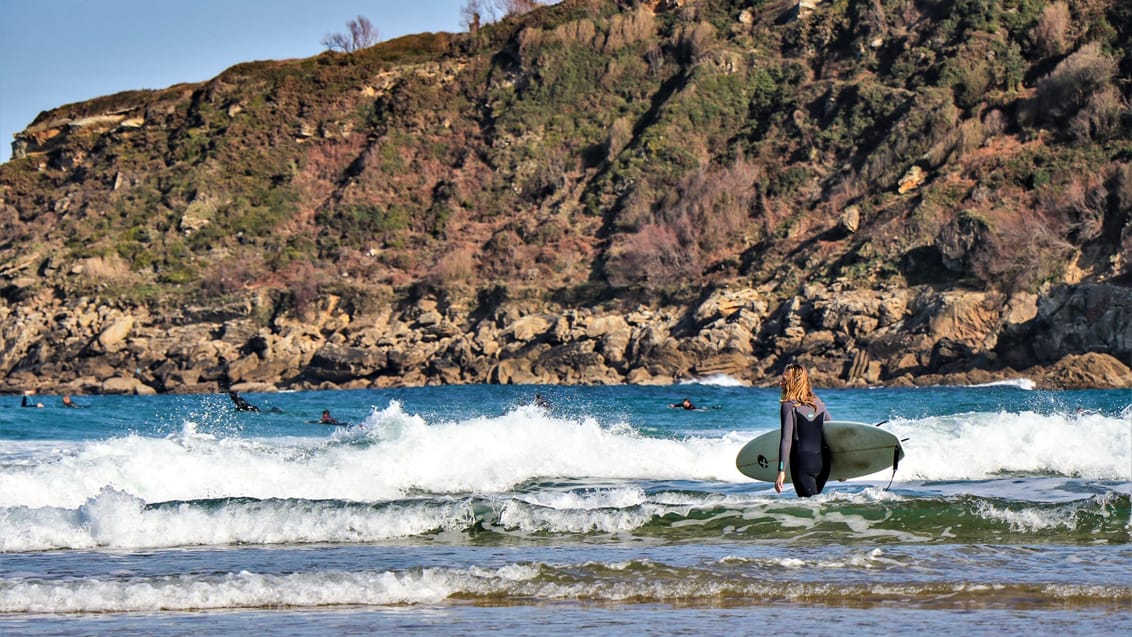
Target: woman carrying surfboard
column 802, row 444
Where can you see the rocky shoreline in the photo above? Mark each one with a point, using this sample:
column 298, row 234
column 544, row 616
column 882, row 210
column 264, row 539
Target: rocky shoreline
column 1066, row 338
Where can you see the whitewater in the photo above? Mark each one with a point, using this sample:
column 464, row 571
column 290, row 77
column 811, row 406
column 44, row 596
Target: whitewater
column 469, row 501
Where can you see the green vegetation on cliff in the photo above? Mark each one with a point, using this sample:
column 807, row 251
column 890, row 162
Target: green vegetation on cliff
column 602, row 149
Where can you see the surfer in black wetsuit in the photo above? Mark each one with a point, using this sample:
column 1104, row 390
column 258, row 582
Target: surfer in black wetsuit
column 802, row 446
column 685, row 404
column 241, row 404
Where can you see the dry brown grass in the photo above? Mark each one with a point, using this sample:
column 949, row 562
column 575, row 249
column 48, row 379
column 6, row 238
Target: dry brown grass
column 110, row 268
column 627, row 28
column 620, row 134
column 578, row 32
column 1050, row 35
column 456, row 266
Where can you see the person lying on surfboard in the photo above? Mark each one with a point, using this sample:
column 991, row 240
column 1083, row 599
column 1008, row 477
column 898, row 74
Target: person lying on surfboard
column 685, row 404
column 802, row 444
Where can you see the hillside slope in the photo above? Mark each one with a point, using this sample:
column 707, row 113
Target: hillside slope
column 604, row 156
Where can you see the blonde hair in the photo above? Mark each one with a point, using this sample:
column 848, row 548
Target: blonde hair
column 796, row 386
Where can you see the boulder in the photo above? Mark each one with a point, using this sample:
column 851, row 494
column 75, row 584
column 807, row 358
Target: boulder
column 126, row 385
column 513, row 371
column 948, row 353
column 642, row 376
column 528, row 328
column 242, row 368
column 849, row 220
column 445, row 371
column 1079, row 319
column 253, row 388
column 722, row 304
column 600, row 326
column 1093, row 370
column 573, row 363
column 337, row 363
column 734, row 364
column 112, row 338
column 958, row 239
column 613, row 345
column 912, row 179
column 970, row 318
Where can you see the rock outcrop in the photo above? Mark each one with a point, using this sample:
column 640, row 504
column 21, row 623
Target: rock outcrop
column 1071, row 337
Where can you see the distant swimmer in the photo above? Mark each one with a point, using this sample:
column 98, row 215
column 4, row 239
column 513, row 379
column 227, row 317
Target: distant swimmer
column 241, row 404
column 67, row 402
column 327, row 419
column 685, row 404
column 540, row 401
column 25, row 403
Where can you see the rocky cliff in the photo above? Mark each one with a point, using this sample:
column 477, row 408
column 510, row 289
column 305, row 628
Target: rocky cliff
column 596, row 192
column 1073, row 337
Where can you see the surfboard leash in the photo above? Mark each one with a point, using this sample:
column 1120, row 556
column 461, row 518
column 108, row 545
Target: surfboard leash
column 895, row 463
column 895, row 459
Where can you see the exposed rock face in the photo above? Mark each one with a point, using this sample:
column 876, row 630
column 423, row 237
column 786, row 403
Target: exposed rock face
column 1086, row 371
column 1070, row 337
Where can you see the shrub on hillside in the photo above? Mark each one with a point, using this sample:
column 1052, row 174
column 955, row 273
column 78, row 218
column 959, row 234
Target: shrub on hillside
column 1101, row 116
column 229, row 276
column 1050, row 34
column 652, row 256
column 694, row 42
column 1020, row 253
column 302, row 280
column 1068, row 88
column 454, row 268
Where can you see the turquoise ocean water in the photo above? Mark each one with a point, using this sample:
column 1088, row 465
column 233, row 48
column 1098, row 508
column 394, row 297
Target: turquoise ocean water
column 459, row 510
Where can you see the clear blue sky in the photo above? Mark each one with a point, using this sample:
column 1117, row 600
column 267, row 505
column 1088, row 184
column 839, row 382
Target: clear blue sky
column 56, row 52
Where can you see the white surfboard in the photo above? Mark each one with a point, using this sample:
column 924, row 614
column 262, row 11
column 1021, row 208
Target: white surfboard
column 856, row 449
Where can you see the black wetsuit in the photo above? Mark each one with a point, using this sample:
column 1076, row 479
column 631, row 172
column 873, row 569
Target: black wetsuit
column 803, row 445
column 241, row 404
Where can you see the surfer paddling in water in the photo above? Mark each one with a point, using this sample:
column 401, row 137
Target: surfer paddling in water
column 241, row 404
column 802, row 447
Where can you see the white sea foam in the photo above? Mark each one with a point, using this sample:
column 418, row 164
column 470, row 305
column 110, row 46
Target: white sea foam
column 398, row 453
column 114, row 519
column 252, row 590
column 716, row 380
column 1019, row 383
column 395, row 453
column 980, row 445
column 634, row 582
column 193, row 488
